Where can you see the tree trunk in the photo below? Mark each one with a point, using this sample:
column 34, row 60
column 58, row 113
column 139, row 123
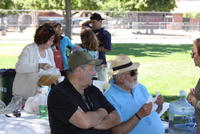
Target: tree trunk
column 67, row 15
column 2, row 27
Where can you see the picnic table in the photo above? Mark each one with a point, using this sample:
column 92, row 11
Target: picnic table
column 26, row 124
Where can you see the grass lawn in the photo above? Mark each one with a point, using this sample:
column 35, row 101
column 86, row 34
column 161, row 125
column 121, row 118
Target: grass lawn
column 164, row 68
column 9, row 54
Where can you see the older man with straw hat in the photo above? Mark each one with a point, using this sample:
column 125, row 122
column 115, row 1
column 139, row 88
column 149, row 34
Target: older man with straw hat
column 130, row 100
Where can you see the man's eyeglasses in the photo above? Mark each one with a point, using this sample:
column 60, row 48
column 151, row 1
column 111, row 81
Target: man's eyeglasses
column 133, row 72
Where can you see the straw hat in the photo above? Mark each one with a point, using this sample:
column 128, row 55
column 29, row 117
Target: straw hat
column 122, row 63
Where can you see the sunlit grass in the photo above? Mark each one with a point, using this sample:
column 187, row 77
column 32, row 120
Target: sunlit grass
column 9, row 54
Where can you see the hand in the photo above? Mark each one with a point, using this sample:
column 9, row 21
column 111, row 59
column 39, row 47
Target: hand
column 160, row 100
column 94, row 21
column 145, row 110
column 44, row 66
column 83, row 24
column 191, row 98
column 102, row 112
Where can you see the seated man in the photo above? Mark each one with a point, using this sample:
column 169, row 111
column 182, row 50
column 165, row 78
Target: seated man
column 129, row 99
column 77, row 107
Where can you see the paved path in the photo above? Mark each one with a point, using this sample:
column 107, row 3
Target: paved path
column 118, row 36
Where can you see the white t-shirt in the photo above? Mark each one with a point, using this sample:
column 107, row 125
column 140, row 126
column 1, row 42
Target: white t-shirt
column 45, row 59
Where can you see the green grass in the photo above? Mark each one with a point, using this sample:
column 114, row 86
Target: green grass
column 9, row 54
column 164, row 68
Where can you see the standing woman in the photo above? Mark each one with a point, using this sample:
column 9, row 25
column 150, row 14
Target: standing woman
column 60, row 46
column 194, row 95
column 34, row 58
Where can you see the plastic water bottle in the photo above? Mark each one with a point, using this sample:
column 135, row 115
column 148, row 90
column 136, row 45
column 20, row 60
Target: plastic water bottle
column 43, row 110
column 181, row 116
column 42, row 95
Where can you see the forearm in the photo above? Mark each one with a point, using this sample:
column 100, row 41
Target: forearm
column 86, row 120
column 109, row 121
column 94, row 118
column 102, row 49
column 85, row 23
column 126, row 127
column 27, row 68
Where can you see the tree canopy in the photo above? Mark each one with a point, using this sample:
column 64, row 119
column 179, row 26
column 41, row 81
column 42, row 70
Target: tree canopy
column 108, row 5
column 39, row 4
column 6, row 4
column 139, row 5
column 57, row 4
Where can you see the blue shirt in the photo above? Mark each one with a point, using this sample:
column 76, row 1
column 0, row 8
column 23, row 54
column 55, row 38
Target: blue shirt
column 94, row 54
column 64, row 43
column 127, row 104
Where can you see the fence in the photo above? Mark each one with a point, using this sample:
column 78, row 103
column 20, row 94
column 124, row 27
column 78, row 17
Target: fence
column 122, row 25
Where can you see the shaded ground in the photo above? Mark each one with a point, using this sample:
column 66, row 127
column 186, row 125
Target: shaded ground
column 150, row 50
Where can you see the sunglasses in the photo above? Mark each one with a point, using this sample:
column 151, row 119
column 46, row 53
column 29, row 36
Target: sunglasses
column 133, row 72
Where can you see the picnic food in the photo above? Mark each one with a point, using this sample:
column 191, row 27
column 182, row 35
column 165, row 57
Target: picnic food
column 47, row 80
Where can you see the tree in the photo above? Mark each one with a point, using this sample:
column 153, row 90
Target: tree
column 159, row 5
column 39, row 4
column 4, row 4
column 57, row 4
column 68, row 29
column 111, row 5
column 86, row 5
column 80, row 5
column 140, row 5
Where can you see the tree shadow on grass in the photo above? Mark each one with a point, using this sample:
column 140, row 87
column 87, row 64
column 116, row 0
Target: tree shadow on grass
column 170, row 98
column 151, row 50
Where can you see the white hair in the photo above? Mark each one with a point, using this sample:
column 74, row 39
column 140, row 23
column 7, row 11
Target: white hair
column 128, row 84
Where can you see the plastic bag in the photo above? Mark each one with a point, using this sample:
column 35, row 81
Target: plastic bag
column 15, row 104
column 33, row 103
column 2, row 105
column 48, row 77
